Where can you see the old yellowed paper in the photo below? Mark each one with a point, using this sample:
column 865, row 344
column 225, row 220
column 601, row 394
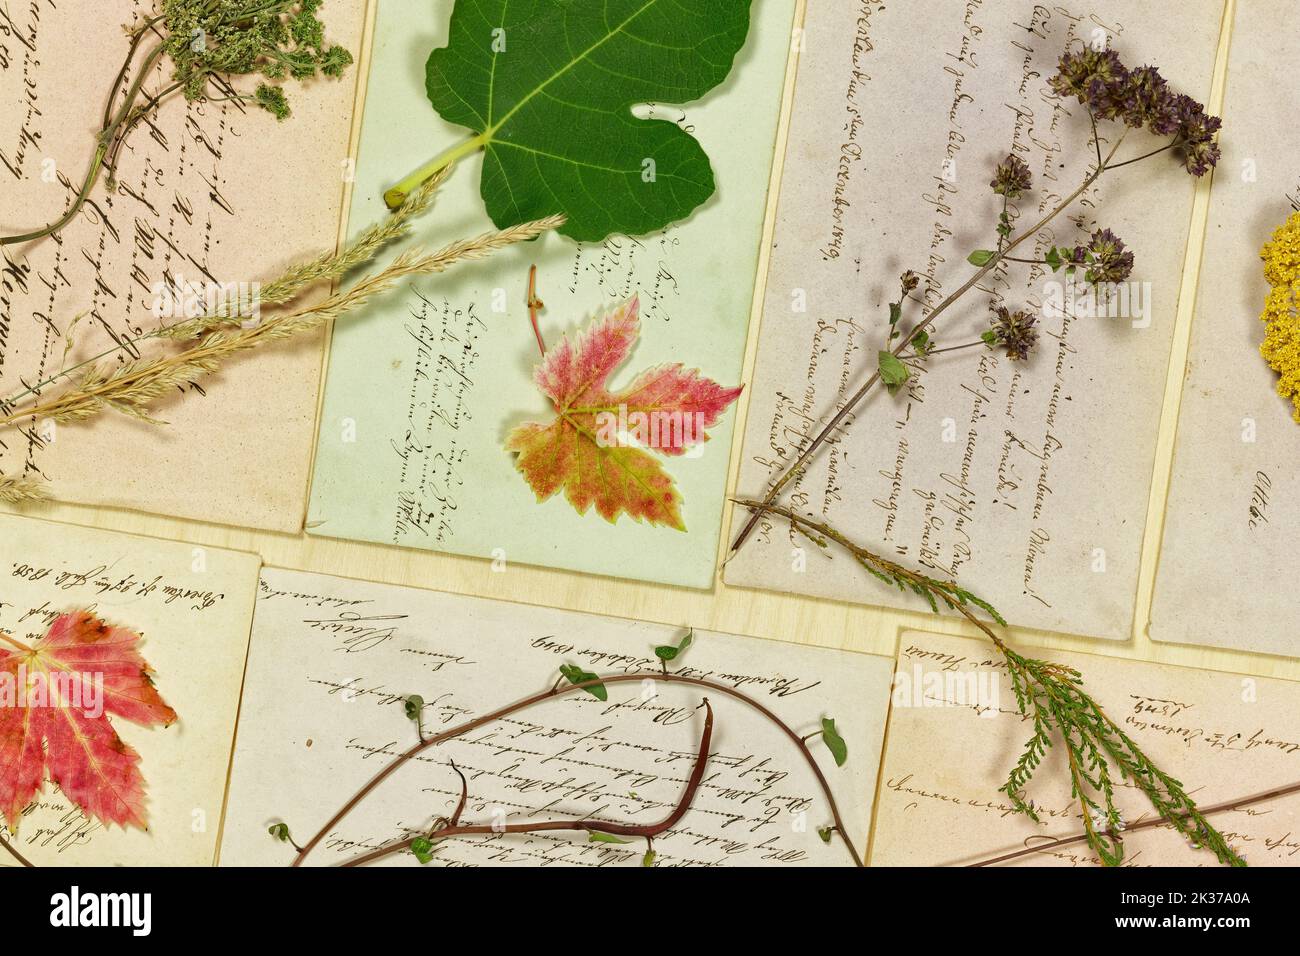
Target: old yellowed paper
column 192, row 606
column 332, row 660
column 955, row 732
column 209, row 196
column 1026, row 481
column 1233, row 514
column 422, row 392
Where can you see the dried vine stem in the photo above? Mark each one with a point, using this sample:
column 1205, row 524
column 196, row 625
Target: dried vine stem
column 1051, row 696
column 453, row 828
column 552, row 694
column 905, row 343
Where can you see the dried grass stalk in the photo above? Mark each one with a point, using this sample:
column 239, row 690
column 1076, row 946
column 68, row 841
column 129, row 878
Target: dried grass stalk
column 17, row 491
column 134, row 388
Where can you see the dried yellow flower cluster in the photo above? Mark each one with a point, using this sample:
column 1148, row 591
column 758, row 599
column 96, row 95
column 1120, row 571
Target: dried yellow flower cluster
column 1281, row 346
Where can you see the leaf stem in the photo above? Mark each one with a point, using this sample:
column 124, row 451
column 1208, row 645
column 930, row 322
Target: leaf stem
column 18, row 644
column 534, row 306
column 394, row 197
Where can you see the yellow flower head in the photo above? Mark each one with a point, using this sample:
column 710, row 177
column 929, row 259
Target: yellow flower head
column 1281, row 348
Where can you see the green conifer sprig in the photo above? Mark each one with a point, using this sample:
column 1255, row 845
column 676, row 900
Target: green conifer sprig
column 1051, row 697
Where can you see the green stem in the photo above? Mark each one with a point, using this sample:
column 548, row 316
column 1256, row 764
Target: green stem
column 106, row 138
column 397, row 195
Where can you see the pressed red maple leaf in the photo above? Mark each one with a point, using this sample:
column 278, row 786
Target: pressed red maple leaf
column 54, row 717
column 597, row 448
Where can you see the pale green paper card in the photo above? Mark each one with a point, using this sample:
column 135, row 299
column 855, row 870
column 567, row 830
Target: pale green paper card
column 423, row 386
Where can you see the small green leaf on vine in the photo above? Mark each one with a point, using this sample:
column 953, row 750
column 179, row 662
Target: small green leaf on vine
column 834, row 742
column 422, row 847
column 413, row 705
column 279, row 831
column 921, row 343
column 649, row 858
column 981, row 257
column 668, row 652
column 597, row 837
column 892, row 372
column 576, row 675
column 989, row 337
column 1053, row 258
column 825, row 833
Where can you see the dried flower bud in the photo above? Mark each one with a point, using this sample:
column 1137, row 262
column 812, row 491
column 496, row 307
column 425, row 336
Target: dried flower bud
column 910, row 280
column 1012, row 177
column 1013, row 332
column 1103, row 259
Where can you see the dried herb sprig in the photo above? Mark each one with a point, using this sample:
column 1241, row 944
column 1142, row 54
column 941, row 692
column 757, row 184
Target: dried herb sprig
column 211, row 43
column 1052, row 698
column 1109, row 91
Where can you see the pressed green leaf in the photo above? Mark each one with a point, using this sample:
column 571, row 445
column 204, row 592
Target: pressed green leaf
column 834, row 742
column 892, row 372
column 1053, row 258
column 576, row 675
column 667, row 652
column 422, row 848
column 595, row 837
column 280, row 831
column 825, row 834
column 649, row 858
column 413, row 706
column 989, row 337
column 980, row 257
column 549, row 86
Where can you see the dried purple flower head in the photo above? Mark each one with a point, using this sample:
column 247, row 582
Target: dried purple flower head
column 1139, row 98
column 1013, row 332
column 1012, row 177
column 1197, row 132
column 1088, row 75
column 1104, row 258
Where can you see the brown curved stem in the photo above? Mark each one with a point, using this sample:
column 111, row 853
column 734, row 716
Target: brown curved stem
column 15, row 854
column 847, row 408
column 556, row 692
column 648, row 831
